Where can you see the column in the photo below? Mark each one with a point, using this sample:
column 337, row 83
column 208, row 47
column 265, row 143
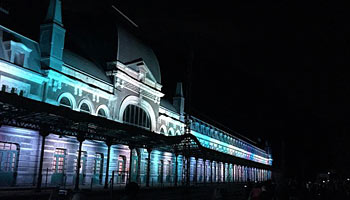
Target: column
column 243, row 173
column 211, row 171
column 205, row 171
column 130, row 163
column 195, row 175
column 188, row 170
column 107, row 167
column 215, row 171
column 224, row 169
column 138, row 178
column 176, row 170
column 77, row 173
column 233, row 173
column 248, row 174
column 148, row 166
column 218, row 171
column 43, row 134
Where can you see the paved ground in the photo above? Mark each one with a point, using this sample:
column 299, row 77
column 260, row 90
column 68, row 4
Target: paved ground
column 220, row 191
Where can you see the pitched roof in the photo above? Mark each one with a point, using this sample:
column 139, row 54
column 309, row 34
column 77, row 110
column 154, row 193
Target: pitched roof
column 84, row 65
column 131, row 49
column 166, row 104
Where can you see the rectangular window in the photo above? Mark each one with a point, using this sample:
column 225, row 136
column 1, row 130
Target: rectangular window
column 98, row 168
column 121, row 164
column 19, row 59
column 59, row 160
column 8, row 156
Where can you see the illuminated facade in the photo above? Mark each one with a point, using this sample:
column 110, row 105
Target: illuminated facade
column 128, row 91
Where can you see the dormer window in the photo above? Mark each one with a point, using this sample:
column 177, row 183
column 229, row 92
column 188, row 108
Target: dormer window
column 142, row 71
column 18, row 53
column 19, row 59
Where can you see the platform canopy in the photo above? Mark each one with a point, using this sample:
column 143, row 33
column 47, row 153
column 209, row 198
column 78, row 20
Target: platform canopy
column 22, row 112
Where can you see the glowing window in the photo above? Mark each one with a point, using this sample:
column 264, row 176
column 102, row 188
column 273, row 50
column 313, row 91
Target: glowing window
column 59, row 160
column 121, row 164
column 121, row 169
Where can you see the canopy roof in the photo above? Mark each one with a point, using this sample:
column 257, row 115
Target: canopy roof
column 26, row 113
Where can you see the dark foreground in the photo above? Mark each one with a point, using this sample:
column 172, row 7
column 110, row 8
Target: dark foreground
column 220, row 191
column 252, row 191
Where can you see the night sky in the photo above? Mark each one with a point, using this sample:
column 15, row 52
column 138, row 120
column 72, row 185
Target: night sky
column 277, row 70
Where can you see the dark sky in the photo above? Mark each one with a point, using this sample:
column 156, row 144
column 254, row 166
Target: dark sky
column 271, row 69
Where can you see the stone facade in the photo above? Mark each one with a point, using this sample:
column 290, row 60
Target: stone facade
column 123, row 91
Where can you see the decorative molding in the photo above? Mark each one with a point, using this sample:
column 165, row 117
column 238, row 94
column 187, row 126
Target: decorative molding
column 172, row 131
column 164, row 128
column 126, row 77
column 14, row 86
column 21, row 72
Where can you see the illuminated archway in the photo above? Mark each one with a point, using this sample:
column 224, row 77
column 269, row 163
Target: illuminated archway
column 71, row 99
column 103, row 109
column 133, row 100
column 85, row 105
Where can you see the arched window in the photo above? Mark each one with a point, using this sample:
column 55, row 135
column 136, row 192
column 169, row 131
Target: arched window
column 102, row 113
column 162, row 131
column 171, row 132
column 136, row 116
column 85, row 108
column 65, row 102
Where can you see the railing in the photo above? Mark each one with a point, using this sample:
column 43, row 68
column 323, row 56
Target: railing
column 118, row 180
